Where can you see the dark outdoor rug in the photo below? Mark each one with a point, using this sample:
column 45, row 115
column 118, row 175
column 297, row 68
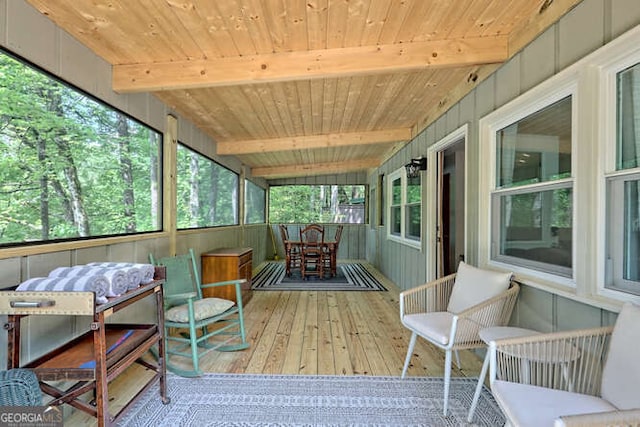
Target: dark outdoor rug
column 349, row 277
column 306, row 400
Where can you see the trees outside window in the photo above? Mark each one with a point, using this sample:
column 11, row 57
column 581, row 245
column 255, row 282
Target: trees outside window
column 207, row 193
column 254, row 203
column 317, row 204
column 70, row 166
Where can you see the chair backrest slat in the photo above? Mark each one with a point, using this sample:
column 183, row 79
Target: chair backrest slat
column 182, row 274
column 312, row 234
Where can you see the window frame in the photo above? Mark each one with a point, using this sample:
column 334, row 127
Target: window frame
column 402, row 236
column 314, row 214
column 236, row 193
column 592, row 80
column 247, row 184
column 561, row 86
column 618, row 58
column 49, row 245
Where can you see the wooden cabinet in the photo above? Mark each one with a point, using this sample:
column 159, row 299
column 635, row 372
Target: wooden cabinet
column 227, row 264
column 96, row 357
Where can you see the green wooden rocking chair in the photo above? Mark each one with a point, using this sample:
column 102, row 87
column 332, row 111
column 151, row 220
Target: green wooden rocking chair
column 187, row 310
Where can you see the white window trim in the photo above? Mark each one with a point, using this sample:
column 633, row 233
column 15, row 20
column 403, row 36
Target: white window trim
column 551, row 91
column 402, row 174
column 620, row 54
column 591, row 83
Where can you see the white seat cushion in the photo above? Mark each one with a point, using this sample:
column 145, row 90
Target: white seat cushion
column 474, row 285
column 436, row 327
column 203, row 309
column 527, row 405
column 621, row 373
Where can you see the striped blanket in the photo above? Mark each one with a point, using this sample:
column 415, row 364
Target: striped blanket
column 147, row 271
column 118, row 278
column 97, row 284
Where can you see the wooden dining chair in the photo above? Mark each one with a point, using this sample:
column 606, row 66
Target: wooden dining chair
column 331, row 251
column 291, row 250
column 312, row 251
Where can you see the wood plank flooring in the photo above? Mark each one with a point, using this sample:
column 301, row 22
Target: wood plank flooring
column 319, row 333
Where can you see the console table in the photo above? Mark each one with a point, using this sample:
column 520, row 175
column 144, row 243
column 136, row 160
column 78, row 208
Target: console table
column 96, row 357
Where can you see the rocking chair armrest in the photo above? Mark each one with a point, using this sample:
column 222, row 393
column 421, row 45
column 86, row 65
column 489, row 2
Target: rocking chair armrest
column 225, row 283
column 628, row 417
column 430, row 297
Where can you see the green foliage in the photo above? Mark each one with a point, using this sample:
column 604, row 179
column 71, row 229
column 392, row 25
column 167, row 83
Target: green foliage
column 316, row 203
column 255, row 203
column 60, row 168
column 207, row 192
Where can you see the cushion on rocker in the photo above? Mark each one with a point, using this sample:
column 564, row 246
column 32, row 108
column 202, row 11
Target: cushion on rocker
column 203, row 309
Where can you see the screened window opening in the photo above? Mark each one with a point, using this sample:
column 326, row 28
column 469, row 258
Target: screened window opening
column 254, row 203
column 71, row 167
column 532, row 205
column 207, row 193
column 304, row 204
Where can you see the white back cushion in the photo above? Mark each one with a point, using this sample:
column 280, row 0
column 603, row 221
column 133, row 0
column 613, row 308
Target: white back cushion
column 474, row 285
column 621, row 373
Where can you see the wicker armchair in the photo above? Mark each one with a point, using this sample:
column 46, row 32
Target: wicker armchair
column 586, row 377
column 450, row 312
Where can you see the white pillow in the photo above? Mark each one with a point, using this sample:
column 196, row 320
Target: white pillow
column 621, row 373
column 474, row 285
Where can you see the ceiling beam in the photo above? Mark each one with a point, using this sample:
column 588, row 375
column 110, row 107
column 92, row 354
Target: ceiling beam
column 315, row 168
column 313, row 64
column 312, row 141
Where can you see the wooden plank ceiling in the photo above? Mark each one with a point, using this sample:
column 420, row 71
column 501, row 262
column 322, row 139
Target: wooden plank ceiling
column 299, row 88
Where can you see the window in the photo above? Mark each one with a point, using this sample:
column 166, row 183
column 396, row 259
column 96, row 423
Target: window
column 532, row 201
column 207, row 193
column 405, row 207
column 559, row 200
column 70, row 166
column 317, row 203
column 623, row 187
column 254, row 203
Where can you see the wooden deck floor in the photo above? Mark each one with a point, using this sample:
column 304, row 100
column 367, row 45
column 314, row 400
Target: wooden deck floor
column 320, row 333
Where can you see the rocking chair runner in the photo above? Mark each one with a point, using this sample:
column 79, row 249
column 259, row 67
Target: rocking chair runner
column 186, row 309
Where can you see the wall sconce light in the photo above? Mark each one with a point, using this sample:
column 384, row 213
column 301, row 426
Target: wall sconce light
column 415, row 166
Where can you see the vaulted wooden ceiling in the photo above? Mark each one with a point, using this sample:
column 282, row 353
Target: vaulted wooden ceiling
column 309, row 87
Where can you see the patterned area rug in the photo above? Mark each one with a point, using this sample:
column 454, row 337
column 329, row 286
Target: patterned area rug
column 349, row 277
column 304, row 400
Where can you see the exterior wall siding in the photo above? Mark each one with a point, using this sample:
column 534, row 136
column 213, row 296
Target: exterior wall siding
column 586, row 28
